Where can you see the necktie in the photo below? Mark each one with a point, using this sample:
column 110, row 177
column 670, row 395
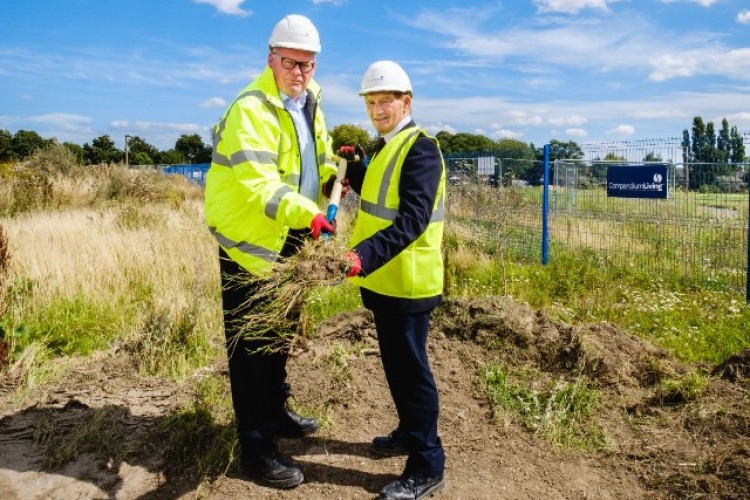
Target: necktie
column 379, row 145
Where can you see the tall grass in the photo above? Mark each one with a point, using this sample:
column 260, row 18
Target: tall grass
column 124, row 260
column 697, row 324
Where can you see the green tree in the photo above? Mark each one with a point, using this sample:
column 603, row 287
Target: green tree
column 351, row 135
column 652, row 157
column 444, row 138
column 171, row 157
column 723, row 143
column 686, row 152
column 102, row 150
column 699, row 139
column 698, row 147
column 76, row 151
column 192, row 149
column 25, row 143
column 559, row 150
column 513, row 148
column 140, row 152
column 465, row 143
column 6, row 146
column 737, row 146
column 709, row 152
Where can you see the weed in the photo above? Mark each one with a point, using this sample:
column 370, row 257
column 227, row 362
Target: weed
column 561, row 412
column 100, row 431
column 682, row 390
column 193, row 437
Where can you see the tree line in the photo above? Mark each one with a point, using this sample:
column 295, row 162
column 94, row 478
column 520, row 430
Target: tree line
column 187, row 149
column 704, row 145
column 712, row 159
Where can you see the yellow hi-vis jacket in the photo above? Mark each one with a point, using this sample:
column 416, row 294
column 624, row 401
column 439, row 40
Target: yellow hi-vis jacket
column 252, row 188
column 416, row 272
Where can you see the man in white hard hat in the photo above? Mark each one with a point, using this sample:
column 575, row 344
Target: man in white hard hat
column 396, row 259
column 263, row 194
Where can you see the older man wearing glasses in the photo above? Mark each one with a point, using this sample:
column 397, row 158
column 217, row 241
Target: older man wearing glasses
column 271, row 159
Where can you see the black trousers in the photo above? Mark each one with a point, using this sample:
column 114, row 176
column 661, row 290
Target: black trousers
column 403, row 349
column 257, row 380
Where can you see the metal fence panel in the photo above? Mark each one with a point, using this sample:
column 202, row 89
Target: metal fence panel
column 698, row 234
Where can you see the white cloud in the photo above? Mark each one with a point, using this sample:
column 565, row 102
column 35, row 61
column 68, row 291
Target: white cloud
column 671, row 66
column 704, row 3
column 518, row 117
column 570, row 6
column 434, row 128
column 626, row 42
column 622, row 131
column 571, row 120
column 213, row 102
column 733, row 63
column 231, row 7
column 744, row 17
column 61, row 119
column 658, row 113
column 161, row 135
column 507, row 134
column 576, row 132
column 740, row 120
column 144, row 126
column 337, row 3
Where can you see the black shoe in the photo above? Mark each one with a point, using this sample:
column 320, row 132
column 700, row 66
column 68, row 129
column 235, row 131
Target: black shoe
column 391, row 445
column 272, row 469
column 292, row 425
column 412, row 487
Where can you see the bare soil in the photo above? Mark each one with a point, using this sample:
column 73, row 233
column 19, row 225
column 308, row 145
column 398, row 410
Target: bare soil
column 659, row 446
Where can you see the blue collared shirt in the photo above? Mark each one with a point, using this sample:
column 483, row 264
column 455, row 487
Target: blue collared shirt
column 309, row 182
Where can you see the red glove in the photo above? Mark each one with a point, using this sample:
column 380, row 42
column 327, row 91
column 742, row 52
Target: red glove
column 320, row 225
column 347, row 152
column 355, row 264
column 328, row 187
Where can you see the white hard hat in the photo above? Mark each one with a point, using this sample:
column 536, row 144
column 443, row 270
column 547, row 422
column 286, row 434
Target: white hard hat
column 295, row 32
column 385, row 76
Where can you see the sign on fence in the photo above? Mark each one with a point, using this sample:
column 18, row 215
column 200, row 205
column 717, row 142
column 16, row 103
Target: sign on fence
column 637, row 181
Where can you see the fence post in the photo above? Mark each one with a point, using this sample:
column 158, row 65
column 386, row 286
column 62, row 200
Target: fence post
column 545, row 208
column 747, row 264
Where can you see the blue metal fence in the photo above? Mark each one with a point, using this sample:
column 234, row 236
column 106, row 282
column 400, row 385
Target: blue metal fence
column 699, row 235
column 195, row 172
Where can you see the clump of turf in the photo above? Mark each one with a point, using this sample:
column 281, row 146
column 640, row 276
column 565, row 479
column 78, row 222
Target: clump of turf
column 274, row 313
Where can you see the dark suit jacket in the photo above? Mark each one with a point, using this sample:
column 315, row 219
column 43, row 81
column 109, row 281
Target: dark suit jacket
column 418, row 186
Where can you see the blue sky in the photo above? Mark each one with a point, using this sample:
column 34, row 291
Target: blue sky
column 534, row 70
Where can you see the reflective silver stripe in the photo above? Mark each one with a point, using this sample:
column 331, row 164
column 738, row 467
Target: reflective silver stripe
column 245, row 155
column 220, row 159
column 244, row 247
column 438, row 215
column 272, row 207
column 389, row 169
column 378, row 211
column 292, row 179
column 389, row 214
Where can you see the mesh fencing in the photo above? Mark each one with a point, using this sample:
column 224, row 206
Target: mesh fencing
column 698, row 234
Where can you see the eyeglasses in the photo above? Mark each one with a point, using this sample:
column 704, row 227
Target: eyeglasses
column 287, row 63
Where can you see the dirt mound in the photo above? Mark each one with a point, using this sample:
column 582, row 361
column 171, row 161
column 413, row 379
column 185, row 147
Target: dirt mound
column 735, row 368
column 602, row 352
column 96, row 432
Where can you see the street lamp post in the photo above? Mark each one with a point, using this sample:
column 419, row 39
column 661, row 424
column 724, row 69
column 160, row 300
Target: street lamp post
column 127, row 162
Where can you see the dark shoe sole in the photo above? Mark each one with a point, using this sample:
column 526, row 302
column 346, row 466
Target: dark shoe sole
column 283, row 484
column 388, row 452
column 298, row 433
column 434, row 490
